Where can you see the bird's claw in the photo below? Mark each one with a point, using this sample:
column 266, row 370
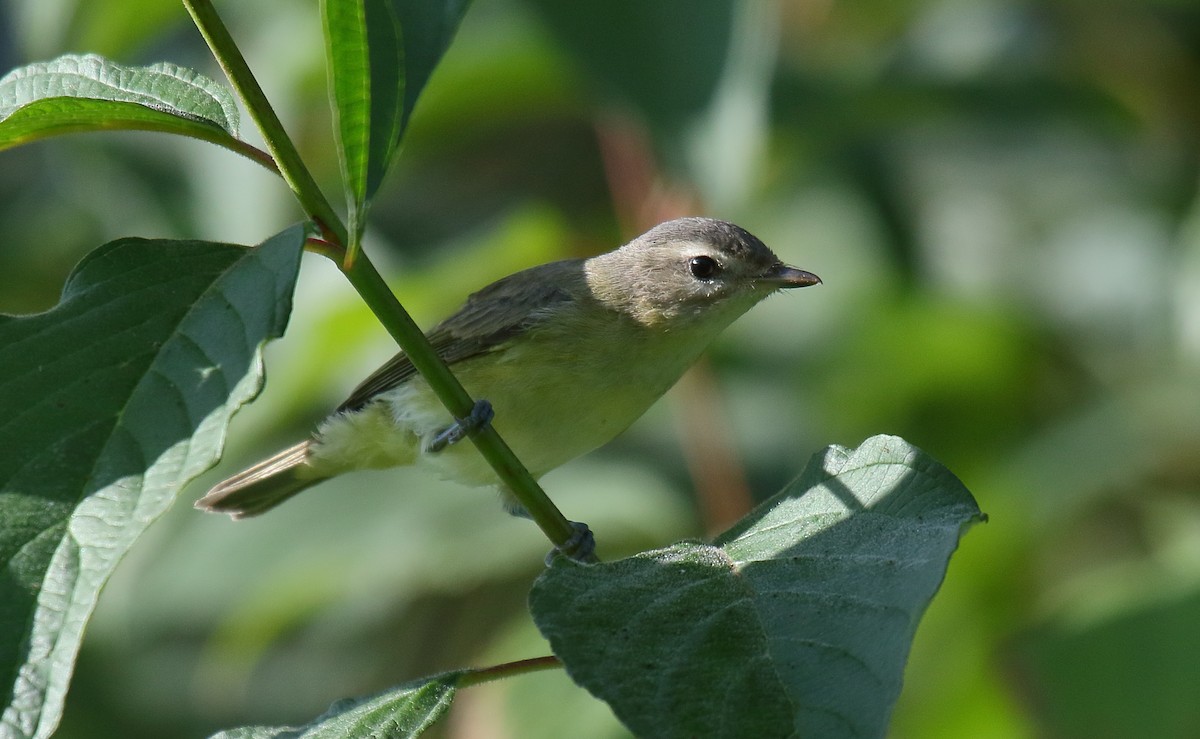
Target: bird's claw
column 581, row 546
column 481, row 414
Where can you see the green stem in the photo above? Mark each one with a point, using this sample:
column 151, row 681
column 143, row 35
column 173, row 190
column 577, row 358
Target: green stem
column 367, row 280
column 382, row 302
column 508, row 669
column 291, row 166
column 255, row 154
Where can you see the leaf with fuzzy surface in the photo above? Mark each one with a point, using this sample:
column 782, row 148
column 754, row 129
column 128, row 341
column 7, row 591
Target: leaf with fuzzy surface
column 796, row 622
column 404, row 711
column 76, row 93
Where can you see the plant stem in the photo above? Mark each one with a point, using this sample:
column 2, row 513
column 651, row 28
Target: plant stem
column 256, row 155
column 508, row 669
column 367, row 281
column 382, row 302
column 291, row 166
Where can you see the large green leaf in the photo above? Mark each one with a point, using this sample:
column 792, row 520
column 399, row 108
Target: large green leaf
column 111, row 402
column 90, row 93
column 797, row 622
column 404, row 711
column 380, row 54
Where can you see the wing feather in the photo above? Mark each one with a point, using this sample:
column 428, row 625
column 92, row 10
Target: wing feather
column 485, row 323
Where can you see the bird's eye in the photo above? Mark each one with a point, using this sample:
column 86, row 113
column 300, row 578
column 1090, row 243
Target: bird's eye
column 703, row 268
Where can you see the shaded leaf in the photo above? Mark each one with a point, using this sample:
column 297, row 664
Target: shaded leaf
column 403, row 711
column 797, row 622
column 112, row 401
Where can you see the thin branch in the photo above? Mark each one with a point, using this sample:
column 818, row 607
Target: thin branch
column 367, row 281
column 508, row 669
column 291, row 166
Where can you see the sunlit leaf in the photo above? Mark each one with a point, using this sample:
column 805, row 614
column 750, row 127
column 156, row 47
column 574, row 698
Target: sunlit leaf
column 797, row 622
column 163, row 86
column 404, row 711
column 89, row 93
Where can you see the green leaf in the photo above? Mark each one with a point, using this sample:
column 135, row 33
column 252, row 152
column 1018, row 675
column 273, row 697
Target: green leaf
column 112, row 401
column 89, row 93
column 163, row 86
column 797, row 622
column 403, row 711
column 366, row 68
column 380, row 54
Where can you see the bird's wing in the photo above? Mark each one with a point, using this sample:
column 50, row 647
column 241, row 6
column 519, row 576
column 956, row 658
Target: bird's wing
column 483, row 324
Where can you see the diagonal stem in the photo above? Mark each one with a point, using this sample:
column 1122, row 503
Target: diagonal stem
column 508, row 669
column 368, row 282
column 291, row 166
column 382, row 302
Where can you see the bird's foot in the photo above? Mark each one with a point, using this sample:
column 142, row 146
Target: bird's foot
column 481, row 415
column 581, row 547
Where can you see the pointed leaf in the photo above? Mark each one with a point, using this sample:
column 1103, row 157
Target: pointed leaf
column 797, row 622
column 403, row 711
column 111, row 402
column 366, row 67
column 380, row 54
column 90, row 93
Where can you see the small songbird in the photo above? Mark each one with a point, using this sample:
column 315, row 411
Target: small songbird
column 569, row 354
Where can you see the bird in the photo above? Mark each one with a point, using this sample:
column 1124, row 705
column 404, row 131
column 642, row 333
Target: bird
column 566, row 356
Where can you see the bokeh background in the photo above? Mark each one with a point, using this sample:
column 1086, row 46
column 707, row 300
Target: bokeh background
column 1000, row 195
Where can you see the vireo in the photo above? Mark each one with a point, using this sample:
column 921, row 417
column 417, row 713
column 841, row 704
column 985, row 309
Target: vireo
column 569, row 354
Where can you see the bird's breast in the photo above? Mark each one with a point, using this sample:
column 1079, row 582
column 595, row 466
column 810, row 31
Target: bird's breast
column 556, row 397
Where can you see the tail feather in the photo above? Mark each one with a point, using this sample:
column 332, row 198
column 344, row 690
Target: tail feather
column 262, row 487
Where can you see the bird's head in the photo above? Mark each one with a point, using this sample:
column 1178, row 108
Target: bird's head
column 691, row 271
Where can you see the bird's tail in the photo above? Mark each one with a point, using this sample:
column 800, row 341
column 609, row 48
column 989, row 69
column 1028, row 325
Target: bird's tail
column 262, row 487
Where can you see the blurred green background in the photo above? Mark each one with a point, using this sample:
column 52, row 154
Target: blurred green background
column 1001, row 197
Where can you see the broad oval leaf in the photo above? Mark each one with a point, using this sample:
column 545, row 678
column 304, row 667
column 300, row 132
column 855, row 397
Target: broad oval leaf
column 797, row 622
column 76, row 93
column 380, row 55
column 111, row 402
column 404, row 711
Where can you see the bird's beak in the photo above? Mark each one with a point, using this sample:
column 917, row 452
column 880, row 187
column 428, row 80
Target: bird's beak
column 783, row 276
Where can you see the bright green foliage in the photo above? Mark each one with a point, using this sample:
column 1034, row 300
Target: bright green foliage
column 380, row 55
column 89, row 93
column 112, row 402
column 403, row 711
column 366, row 61
column 797, row 622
